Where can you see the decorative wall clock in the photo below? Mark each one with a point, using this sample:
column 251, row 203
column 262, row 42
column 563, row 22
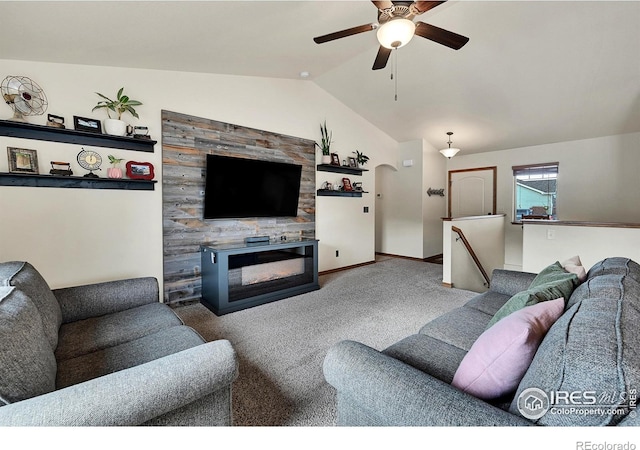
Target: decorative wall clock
column 89, row 160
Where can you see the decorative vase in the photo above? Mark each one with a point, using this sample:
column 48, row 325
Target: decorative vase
column 326, row 159
column 115, row 127
column 114, row 172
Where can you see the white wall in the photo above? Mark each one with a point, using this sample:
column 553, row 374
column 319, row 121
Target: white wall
column 410, row 222
column 78, row 236
column 434, row 207
column 597, row 181
column 401, row 197
column 545, row 244
column 486, row 236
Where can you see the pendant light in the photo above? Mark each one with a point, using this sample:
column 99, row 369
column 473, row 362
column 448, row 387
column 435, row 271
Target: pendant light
column 449, row 152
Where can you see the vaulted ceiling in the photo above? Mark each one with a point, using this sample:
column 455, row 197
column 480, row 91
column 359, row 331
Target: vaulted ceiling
column 533, row 72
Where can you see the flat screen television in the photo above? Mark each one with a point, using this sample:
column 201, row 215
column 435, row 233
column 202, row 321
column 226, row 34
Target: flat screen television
column 240, row 188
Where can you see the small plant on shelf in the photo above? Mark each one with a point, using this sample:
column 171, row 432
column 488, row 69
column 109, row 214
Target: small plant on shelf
column 361, row 158
column 114, row 171
column 120, row 105
column 325, row 143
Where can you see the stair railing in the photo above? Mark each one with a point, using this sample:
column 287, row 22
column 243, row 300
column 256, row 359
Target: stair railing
column 473, row 255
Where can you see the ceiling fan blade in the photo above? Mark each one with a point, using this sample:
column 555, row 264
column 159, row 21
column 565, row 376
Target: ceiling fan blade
column 345, row 33
column 422, row 7
column 441, row 36
column 381, row 58
column 383, row 5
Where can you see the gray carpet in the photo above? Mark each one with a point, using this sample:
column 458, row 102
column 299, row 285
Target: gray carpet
column 281, row 345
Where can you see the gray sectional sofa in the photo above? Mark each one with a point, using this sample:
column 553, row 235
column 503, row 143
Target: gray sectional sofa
column 105, row 354
column 591, row 354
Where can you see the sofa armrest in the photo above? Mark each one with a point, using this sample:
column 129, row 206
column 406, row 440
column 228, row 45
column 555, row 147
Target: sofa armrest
column 132, row 396
column 92, row 300
column 510, row 282
column 375, row 389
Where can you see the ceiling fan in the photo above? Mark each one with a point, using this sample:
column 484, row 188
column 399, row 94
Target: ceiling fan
column 396, row 28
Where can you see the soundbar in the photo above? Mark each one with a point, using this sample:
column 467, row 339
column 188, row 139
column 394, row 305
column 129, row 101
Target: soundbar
column 255, row 239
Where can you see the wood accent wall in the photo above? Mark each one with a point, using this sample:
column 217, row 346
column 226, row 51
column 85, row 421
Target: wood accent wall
column 186, row 140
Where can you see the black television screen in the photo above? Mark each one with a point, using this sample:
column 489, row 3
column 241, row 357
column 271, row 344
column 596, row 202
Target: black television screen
column 238, row 187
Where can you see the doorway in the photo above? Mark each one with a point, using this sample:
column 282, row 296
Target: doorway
column 472, row 192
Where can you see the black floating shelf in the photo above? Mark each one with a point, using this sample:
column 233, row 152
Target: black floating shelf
column 30, row 180
column 329, row 193
column 52, row 134
column 340, row 169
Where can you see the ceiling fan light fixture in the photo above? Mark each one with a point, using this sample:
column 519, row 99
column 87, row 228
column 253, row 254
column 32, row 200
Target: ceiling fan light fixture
column 449, row 152
column 396, row 33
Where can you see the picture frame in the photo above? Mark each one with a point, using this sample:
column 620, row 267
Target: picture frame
column 23, row 160
column 87, row 125
column 140, row 170
column 352, row 162
column 335, row 159
column 346, row 185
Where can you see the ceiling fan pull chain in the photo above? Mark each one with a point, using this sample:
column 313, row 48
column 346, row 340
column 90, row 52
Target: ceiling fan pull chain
column 395, row 69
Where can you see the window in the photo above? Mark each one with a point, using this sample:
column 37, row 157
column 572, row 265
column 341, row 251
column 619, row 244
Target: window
column 535, row 191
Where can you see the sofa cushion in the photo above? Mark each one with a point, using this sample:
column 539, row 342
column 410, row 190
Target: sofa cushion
column 459, row 327
column 488, row 302
column 551, row 283
column 595, row 347
column 27, row 364
column 500, row 357
column 126, row 355
column 89, row 335
column 430, row 355
column 26, row 278
column 615, row 266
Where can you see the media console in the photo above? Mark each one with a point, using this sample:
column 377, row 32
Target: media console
column 243, row 275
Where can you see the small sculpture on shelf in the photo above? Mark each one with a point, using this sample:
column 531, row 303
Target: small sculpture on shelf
column 55, row 121
column 60, row 168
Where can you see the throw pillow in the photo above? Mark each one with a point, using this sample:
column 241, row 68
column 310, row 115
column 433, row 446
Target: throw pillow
column 500, row 357
column 574, row 265
column 551, row 283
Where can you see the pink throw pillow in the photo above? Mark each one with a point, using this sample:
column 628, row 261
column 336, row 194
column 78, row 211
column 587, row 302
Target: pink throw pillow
column 499, row 358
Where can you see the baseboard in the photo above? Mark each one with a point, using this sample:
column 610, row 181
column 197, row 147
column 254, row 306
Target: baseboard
column 340, row 269
column 433, row 258
column 400, row 256
column 447, row 285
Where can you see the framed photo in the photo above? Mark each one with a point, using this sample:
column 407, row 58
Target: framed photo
column 346, row 184
column 352, row 162
column 22, row 160
column 88, row 125
column 140, row 170
column 335, row 159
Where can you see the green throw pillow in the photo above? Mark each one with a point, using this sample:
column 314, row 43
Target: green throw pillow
column 551, row 283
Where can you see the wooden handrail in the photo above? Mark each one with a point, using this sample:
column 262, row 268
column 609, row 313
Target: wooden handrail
column 472, row 253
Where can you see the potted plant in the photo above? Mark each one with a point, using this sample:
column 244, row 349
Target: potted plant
column 119, row 106
column 361, row 158
column 325, row 143
column 114, row 171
